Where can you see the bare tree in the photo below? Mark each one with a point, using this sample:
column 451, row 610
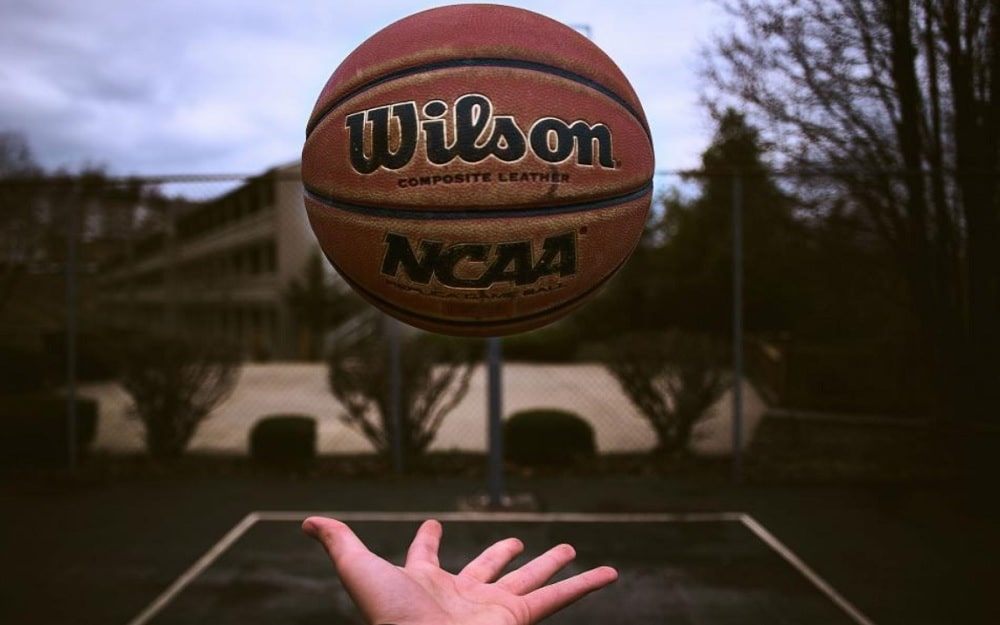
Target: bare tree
column 671, row 377
column 898, row 101
column 435, row 378
column 23, row 221
column 174, row 383
column 38, row 209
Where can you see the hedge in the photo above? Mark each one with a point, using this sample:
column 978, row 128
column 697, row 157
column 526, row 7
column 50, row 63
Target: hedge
column 548, row 437
column 284, row 442
column 35, row 429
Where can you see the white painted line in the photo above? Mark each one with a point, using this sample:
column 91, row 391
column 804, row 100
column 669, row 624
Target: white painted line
column 196, row 569
column 525, row 517
column 509, row 517
column 804, row 569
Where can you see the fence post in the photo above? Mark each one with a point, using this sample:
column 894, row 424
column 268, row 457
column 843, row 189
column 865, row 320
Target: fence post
column 72, row 207
column 170, row 285
column 494, row 359
column 737, row 226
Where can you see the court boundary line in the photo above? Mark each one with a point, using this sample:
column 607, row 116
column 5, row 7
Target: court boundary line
column 524, row 517
column 196, row 569
column 747, row 521
column 789, row 556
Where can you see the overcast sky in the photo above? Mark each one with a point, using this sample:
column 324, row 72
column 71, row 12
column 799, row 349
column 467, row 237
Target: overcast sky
column 226, row 86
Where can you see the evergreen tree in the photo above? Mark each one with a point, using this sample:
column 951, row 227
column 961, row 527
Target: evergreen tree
column 681, row 274
column 697, row 258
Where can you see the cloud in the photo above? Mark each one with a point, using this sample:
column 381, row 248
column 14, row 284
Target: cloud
column 227, row 85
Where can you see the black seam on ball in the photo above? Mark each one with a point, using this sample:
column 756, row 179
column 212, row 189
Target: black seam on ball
column 485, row 62
column 504, row 212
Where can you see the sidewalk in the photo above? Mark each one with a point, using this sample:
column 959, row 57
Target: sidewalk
column 301, row 388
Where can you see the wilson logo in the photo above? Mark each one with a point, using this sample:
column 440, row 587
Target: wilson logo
column 480, row 264
column 389, row 136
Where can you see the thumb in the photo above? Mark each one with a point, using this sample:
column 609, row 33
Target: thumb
column 337, row 538
column 367, row 578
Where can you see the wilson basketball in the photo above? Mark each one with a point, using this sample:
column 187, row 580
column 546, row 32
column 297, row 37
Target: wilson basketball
column 477, row 170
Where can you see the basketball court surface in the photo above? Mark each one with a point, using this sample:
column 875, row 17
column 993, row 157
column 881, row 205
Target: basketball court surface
column 699, row 568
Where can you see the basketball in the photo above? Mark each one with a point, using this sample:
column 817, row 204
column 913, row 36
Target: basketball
column 477, row 170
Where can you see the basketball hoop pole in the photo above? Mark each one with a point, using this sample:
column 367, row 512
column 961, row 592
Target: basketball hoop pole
column 737, row 327
column 395, row 393
column 494, row 355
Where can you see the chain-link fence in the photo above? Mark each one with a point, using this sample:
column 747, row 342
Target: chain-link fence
column 276, row 388
column 828, row 292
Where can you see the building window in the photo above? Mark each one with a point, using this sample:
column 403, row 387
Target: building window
column 265, row 192
column 254, row 264
column 270, row 257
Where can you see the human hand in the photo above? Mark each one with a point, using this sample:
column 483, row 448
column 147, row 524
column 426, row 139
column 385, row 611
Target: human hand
column 422, row 593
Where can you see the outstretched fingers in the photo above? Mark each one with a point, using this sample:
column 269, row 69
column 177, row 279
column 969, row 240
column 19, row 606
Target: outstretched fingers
column 488, row 565
column 535, row 573
column 547, row 600
column 542, row 601
column 425, row 545
column 381, row 590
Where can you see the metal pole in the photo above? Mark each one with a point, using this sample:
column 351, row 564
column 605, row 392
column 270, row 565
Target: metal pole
column 71, row 254
column 395, row 392
column 170, row 273
column 737, row 327
column 494, row 359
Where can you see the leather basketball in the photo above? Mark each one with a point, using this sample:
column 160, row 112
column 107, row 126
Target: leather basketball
column 477, row 170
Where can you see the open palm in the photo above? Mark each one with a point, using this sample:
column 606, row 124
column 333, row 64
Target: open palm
column 422, row 593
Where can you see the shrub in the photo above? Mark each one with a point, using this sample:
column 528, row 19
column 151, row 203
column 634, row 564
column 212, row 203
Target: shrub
column 174, row 383
column 673, row 378
column 284, row 441
column 92, row 355
column 21, row 370
column 35, row 429
column 435, row 378
column 548, row 437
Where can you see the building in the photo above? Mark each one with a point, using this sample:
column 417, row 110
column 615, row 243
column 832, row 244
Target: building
column 220, row 267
